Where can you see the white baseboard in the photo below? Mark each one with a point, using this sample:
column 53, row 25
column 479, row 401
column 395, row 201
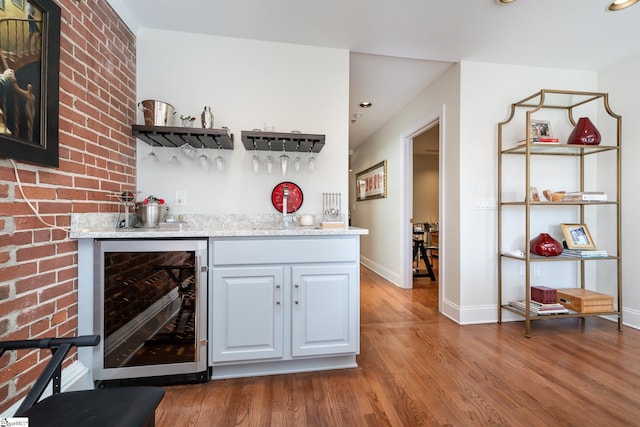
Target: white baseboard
column 381, row 271
column 74, row 377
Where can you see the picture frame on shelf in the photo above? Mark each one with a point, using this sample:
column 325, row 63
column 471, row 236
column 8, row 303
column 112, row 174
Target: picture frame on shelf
column 540, row 129
column 577, row 236
column 534, row 196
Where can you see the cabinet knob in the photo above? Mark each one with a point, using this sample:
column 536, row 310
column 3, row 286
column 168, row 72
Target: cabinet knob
column 296, row 301
column 277, row 286
column 296, row 286
column 277, row 302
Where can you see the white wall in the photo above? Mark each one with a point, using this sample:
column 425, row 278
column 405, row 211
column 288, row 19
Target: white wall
column 485, row 93
column 247, row 83
column 488, row 90
column 425, row 188
column 619, row 81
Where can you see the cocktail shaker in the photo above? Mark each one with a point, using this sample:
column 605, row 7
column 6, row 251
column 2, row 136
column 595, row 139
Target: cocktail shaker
column 207, row 118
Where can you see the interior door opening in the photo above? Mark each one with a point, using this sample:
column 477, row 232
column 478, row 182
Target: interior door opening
column 426, row 207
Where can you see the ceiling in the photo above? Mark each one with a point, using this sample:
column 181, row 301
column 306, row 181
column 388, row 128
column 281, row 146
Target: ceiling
column 399, row 47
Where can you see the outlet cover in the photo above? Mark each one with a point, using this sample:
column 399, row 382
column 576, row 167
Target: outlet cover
column 180, row 199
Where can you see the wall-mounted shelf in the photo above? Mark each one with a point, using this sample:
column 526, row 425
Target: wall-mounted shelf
column 282, row 141
column 165, row 136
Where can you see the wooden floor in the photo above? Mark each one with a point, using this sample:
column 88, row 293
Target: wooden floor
column 418, row 368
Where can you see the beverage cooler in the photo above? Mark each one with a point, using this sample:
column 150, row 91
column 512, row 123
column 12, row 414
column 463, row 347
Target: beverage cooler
column 151, row 311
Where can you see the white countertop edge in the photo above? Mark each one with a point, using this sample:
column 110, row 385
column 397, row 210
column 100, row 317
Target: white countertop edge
column 140, row 233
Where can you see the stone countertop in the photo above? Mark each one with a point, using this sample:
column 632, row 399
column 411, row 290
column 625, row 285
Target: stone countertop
column 103, row 226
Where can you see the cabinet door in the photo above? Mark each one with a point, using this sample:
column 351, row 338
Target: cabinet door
column 247, row 314
column 325, row 310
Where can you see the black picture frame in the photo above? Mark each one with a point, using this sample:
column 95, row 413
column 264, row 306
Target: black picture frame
column 29, row 119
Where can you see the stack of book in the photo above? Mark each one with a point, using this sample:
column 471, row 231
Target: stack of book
column 540, row 140
column 584, row 253
column 540, row 309
column 585, row 196
column 332, row 224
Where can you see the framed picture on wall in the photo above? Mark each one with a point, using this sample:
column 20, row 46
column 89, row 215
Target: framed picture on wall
column 29, row 81
column 371, row 183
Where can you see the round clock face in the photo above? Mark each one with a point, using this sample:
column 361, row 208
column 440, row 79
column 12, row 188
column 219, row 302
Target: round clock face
column 294, row 199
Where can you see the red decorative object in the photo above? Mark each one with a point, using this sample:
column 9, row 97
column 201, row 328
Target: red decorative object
column 294, row 201
column 545, row 245
column 585, row 133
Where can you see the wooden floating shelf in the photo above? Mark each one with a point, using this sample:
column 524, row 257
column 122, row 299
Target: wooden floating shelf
column 281, row 141
column 165, row 136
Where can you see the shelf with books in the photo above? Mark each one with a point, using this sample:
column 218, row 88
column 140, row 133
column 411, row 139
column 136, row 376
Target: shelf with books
column 593, row 194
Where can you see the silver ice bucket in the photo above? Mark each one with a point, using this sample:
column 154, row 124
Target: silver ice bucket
column 157, row 113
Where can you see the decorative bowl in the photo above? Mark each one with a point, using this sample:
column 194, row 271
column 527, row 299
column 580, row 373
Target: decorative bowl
column 553, row 196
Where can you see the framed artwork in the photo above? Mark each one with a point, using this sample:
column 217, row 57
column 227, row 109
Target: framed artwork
column 540, row 128
column 577, row 236
column 371, row 183
column 29, row 81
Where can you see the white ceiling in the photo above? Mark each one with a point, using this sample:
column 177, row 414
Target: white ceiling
column 398, row 47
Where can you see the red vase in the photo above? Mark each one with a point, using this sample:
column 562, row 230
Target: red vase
column 545, row 245
column 585, row 133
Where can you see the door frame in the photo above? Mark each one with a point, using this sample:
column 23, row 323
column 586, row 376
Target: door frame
column 435, row 118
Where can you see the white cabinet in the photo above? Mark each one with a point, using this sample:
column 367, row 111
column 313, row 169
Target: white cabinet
column 284, row 305
column 324, row 318
column 247, row 313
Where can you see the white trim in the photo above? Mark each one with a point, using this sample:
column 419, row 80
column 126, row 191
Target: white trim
column 384, row 272
column 74, row 377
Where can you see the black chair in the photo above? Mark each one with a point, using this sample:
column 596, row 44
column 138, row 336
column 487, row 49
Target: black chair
column 125, row 407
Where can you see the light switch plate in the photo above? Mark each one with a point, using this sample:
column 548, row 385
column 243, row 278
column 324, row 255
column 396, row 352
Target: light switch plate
column 180, row 199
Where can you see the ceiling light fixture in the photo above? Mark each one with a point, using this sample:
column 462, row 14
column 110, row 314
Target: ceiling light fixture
column 367, row 104
column 621, row 4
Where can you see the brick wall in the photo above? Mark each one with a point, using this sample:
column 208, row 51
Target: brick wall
column 38, row 264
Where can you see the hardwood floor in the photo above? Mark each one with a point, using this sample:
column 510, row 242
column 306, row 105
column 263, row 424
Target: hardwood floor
column 417, row 367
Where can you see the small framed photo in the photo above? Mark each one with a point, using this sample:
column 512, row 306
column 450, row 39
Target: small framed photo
column 540, row 129
column 533, row 194
column 577, row 236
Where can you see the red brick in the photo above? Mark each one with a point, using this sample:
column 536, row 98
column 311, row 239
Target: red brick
column 14, row 208
column 32, row 193
column 53, row 292
column 58, row 318
column 71, row 194
column 18, row 303
column 34, row 282
column 16, row 368
column 55, row 263
column 17, row 271
column 57, row 179
column 29, row 317
column 35, row 252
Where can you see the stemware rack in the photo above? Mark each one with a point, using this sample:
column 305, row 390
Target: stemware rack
column 168, row 136
column 282, row 141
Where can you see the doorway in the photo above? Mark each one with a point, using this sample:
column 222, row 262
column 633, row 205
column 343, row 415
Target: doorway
column 426, row 205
